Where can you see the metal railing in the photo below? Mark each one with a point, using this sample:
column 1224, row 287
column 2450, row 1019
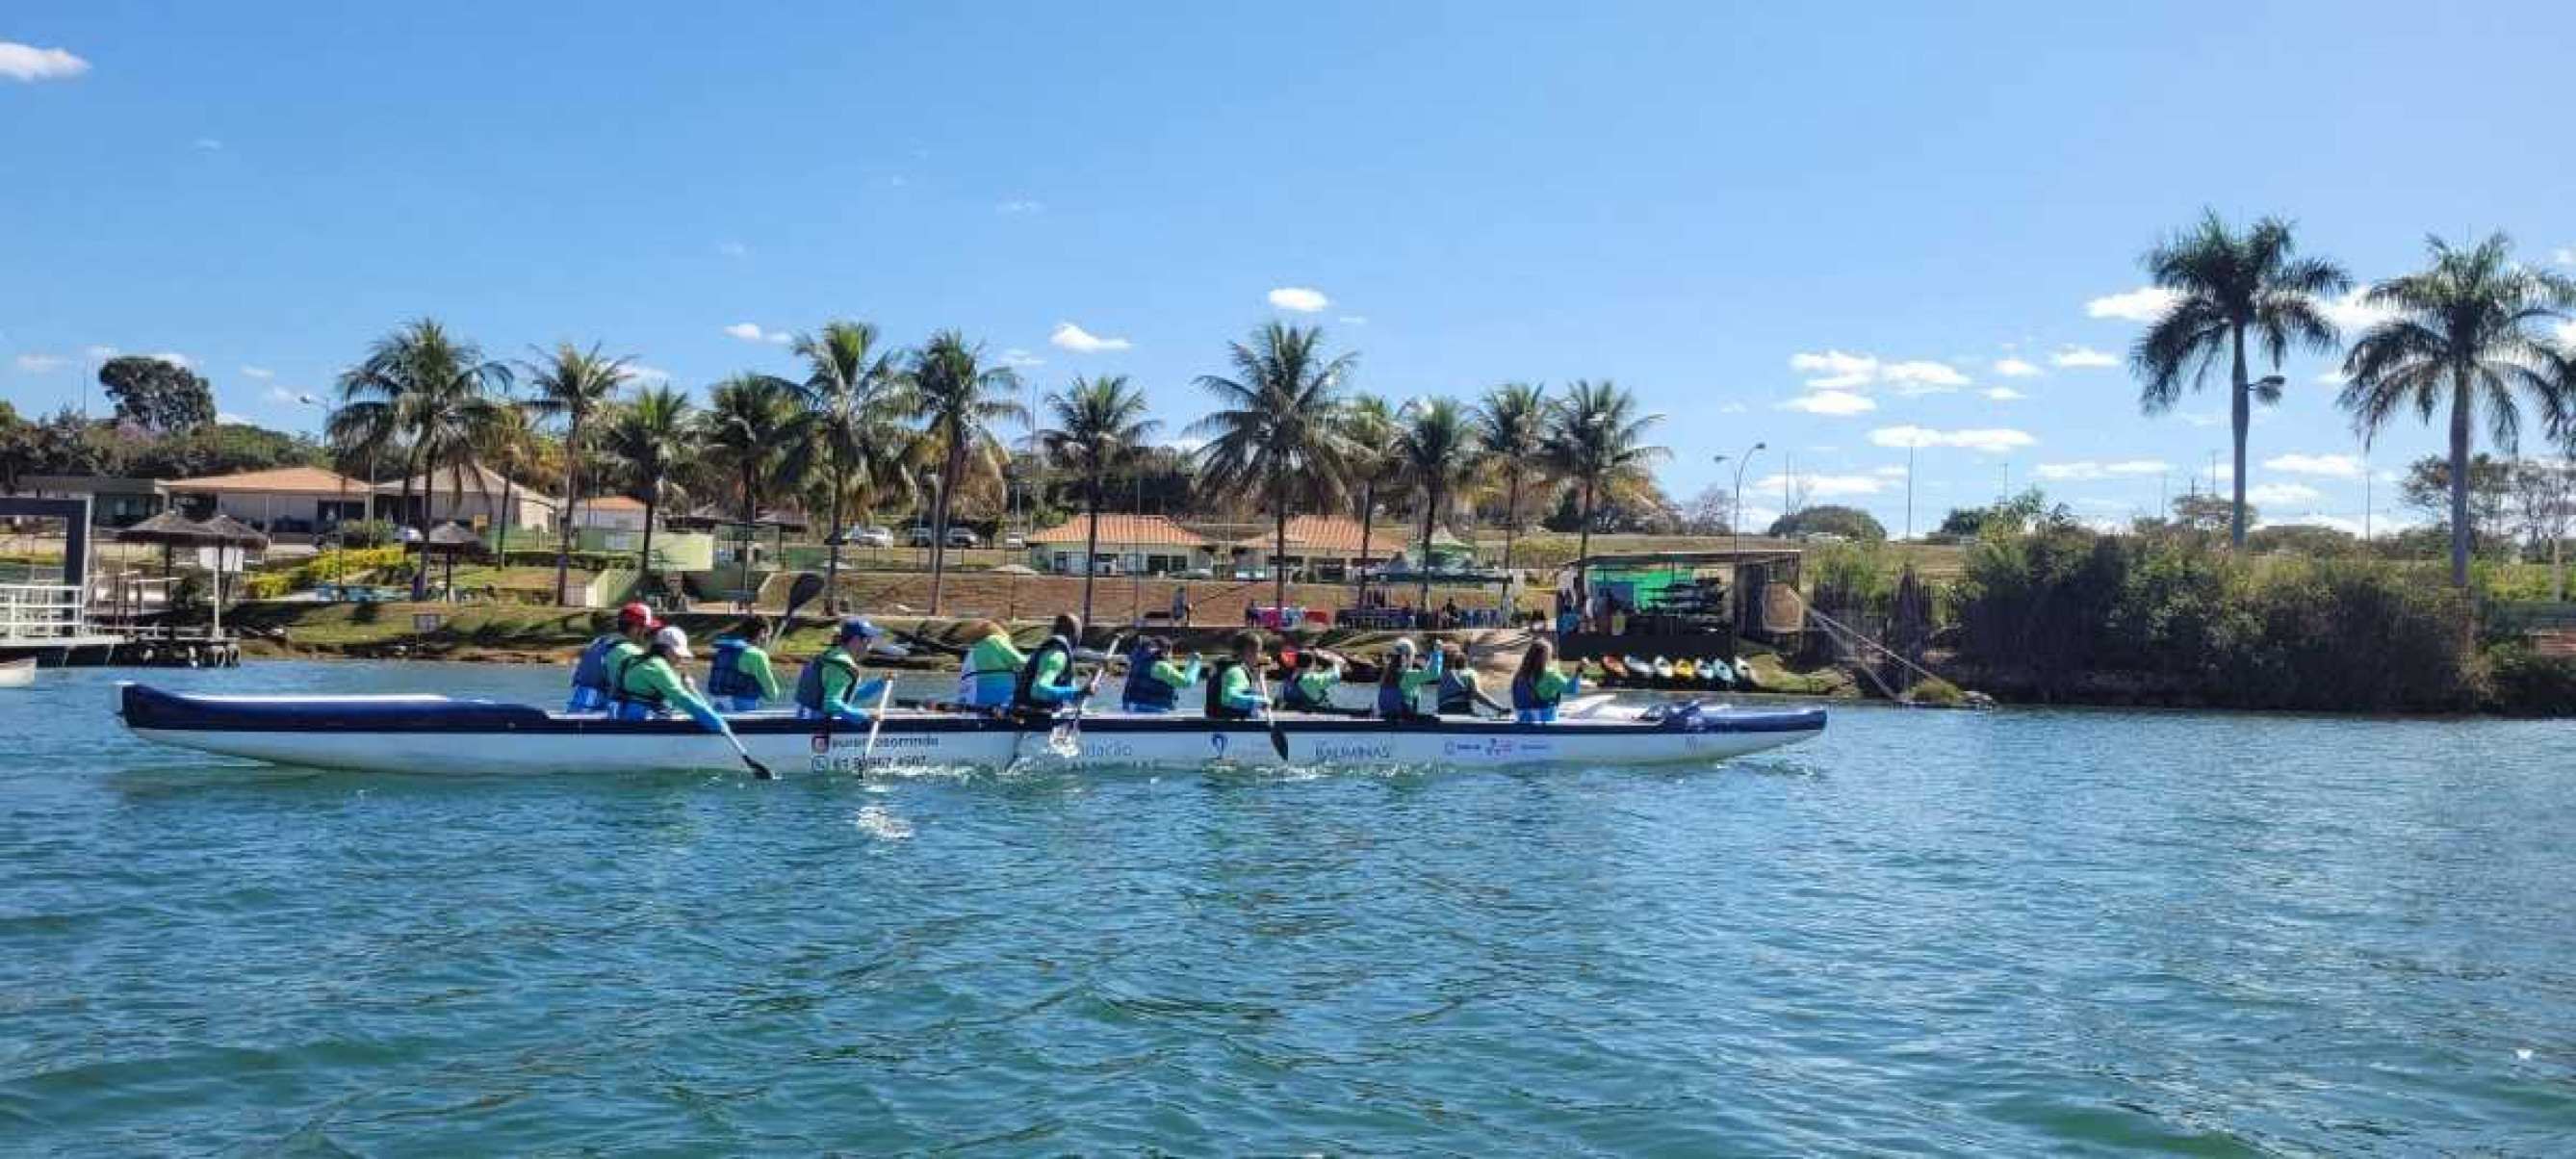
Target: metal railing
column 40, row 612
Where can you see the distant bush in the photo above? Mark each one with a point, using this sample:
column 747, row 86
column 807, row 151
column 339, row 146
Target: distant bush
column 2522, row 682
column 1935, row 691
column 590, row 561
column 366, row 533
column 323, row 567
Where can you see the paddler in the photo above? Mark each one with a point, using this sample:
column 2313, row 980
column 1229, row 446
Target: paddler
column 1460, row 694
column 830, row 687
column 1310, row 683
column 1231, row 693
column 1537, row 687
column 592, row 675
column 1400, row 680
column 1154, row 682
column 739, row 676
column 649, row 686
column 1046, row 681
column 990, row 672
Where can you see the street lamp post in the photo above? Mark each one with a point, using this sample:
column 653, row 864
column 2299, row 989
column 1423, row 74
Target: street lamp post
column 1736, row 521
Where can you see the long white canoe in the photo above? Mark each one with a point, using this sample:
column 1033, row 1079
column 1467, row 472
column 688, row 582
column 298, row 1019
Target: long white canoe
column 438, row 734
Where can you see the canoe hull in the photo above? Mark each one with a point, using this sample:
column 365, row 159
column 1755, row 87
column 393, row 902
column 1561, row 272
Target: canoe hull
column 434, row 735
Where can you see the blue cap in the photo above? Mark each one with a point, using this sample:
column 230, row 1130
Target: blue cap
column 858, row 626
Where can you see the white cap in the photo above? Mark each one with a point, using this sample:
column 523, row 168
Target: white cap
column 672, row 639
column 1405, row 646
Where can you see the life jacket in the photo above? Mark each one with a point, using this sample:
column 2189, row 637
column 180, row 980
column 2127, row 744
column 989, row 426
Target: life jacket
column 1143, row 689
column 623, row 695
column 1456, row 695
column 1294, row 695
column 1217, row 708
column 725, row 676
column 1020, row 694
column 809, row 683
column 1394, row 700
column 591, row 671
column 1525, row 697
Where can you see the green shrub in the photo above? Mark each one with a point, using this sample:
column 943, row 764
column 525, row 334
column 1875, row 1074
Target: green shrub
column 2525, row 683
column 1935, row 691
column 366, row 533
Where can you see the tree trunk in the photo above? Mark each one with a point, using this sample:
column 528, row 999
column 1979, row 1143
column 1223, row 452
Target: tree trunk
column 956, row 466
column 501, row 526
column 832, row 561
column 1583, row 530
column 2462, row 534
column 2557, row 568
column 1368, row 522
column 403, row 518
column 563, row 522
column 644, row 562
column 1090, row 544
column 1279, row 549
column 2242, row 413
column 1511, row 530
column 1430, row 516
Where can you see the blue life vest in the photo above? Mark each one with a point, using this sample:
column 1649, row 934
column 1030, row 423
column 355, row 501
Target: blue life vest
column 627, row 701
column 1455, row 696
column 1143, row 689
column 1217, row 708
column 1020, row 694
column 725, row 676
column 809, row 683
column 1393, row 702
column 591, row 671
column 1292, row 695
column 1525, row 695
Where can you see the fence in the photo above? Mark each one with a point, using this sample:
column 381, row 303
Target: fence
column 40, row 612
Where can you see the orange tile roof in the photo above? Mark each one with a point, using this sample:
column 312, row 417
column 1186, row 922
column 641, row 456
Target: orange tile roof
column 1334, row 533
column 1131, row 529
column 611, row 503
column 283, row 480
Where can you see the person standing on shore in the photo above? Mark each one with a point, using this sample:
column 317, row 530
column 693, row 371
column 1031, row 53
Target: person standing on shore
column 594, row 674
column 739, row 676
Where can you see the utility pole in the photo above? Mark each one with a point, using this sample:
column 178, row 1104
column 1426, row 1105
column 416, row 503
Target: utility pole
column 1909, row 489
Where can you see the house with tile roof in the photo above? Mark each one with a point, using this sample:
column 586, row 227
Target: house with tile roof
column 280, row 501
column 1138, row 544
column 1329, row 547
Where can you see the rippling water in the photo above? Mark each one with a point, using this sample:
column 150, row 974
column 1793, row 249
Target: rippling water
column 1924, row 932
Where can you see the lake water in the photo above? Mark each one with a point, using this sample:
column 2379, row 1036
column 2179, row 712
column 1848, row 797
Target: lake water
column 1926, row 933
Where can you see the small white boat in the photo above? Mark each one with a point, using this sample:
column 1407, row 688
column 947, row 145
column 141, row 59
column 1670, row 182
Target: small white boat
column 18, row 673
column 438, row 734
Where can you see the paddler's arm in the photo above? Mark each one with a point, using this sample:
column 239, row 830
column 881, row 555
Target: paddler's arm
column 662, row 679
column 1418, row 677
column 754, row 663
column 845, row 695
column 1052, row 681
column 1175, row 675
column 1238, row 691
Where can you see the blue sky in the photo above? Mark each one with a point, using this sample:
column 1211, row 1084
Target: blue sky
column 1814, row 230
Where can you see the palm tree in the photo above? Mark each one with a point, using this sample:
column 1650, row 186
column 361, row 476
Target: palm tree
column 854, row 390
column 572, row 385
column 511, row 446
column 1596, row 442
column 958, row 401
column 430, row 393
column 2467, row 332
column 1099, row 424
column 751, row 432
column 1276, row 430
column 1368, row 430
column 1436, row 459
column 651, row 446
column 1511, row 430
column 2228, row 286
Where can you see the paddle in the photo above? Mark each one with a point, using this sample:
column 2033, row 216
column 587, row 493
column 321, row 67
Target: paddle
column 1066, row 739
column 1278, row 739
column 799, row 594
column 876, row 720
column 759, row 771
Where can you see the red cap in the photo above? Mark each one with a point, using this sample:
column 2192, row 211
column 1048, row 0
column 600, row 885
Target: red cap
column 637, row 614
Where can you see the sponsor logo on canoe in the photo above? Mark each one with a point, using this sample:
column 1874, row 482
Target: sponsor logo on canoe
column 1496, row 747
column 1354, row 751
column 1216, row 740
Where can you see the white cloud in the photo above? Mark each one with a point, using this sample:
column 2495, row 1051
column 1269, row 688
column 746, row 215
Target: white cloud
column 1831, row 402
column 1353, row 320
column 1835, row 369
column 1821, row 486
column 175, row 358
column 1922, row 377
column 207, row 144
column 1988, row 440
column 2282, row 493
column 2352, row 314
column 261, row 373
column 39, row 363
column 2015, row 368
column 2083, row 470
column 2004, row 394
column 1068, row 336
column 1022, row 205
column 1757, row 516
column 101, row 353
column 747, row 331
column 2081, row 358
column 733, row 249
column 641, row 374
column 2332, row 377
column 2329, row 466
column 1019, row 359
column 2201, row 418
column 284, row 394
column 1890, row 471
column 1299, row 299
column 2565, row 256
column 2566, row 337
column 26, row 62
column 231, row 419
column 2144, row 304
column 1732, row 408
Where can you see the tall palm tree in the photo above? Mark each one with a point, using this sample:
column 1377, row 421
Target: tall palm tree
column 1511, row 429
column 1099, row 424
column 432, row 392
column 511, row 446
column 750, row 434
column 958, row 401
column 1276, row 430
column 854, row 389
column 1368, row 430
column 651, row 444
column 1596, row 442
column 573, row 386
column 2468, row 332
column 2227, row 287
column 1436, row 459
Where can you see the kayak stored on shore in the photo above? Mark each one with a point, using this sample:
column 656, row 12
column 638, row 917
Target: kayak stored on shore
column 438, row 734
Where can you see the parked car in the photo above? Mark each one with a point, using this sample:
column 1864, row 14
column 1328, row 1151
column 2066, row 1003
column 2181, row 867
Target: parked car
column 873, row 537
column 919, row 536
column 964, row 537
column 1016, row 543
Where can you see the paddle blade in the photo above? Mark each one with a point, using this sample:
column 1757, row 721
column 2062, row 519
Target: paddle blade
column 802, row 592
column 1279, row 742
column 1064, row 741
column 759, row 771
